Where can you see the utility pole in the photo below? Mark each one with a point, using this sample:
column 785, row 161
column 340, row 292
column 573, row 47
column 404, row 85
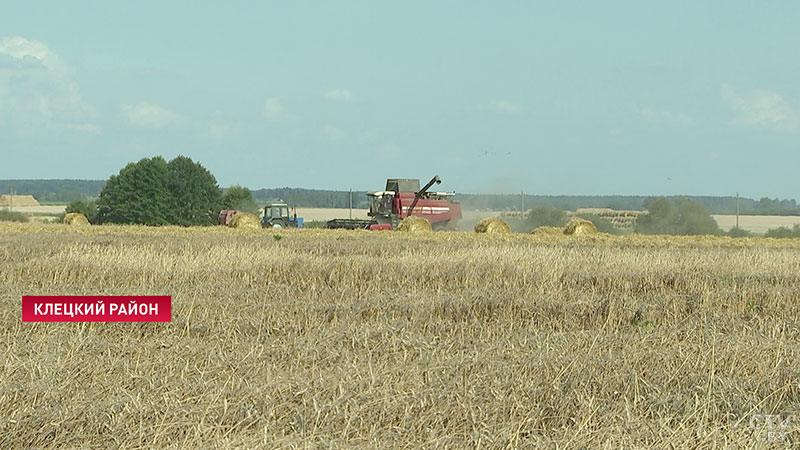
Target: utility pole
column 737, row 210
column 351, row 203
column 11, row 200
column 522, row 201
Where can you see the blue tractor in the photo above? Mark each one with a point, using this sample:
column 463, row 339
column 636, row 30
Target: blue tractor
column 277, row 215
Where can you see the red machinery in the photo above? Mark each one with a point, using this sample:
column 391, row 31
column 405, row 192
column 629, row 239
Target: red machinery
column 402, row 198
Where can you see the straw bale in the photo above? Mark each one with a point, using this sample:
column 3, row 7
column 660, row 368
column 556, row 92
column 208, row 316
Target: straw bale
column 414, row 224
column 75, row 219
column 544, row 230
column 578, row 226
column 492, row 225
column 244, row 220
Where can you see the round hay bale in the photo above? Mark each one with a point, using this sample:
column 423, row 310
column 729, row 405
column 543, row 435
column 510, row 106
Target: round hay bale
column 578, row 226
column 414, row 224
column 75, row 219
column 245, row 221
column 545, row 230
column 492, row 225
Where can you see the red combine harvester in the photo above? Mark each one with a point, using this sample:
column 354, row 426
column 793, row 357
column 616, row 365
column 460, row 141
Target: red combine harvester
column 402, row 198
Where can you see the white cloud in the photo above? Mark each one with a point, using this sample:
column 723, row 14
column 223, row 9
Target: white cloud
column 339, row 95
column 505, row 107
column 148, row 115
column 21, row 48
column 273, row 108
column 334, row 133
column 760, row 108
column 37, row 91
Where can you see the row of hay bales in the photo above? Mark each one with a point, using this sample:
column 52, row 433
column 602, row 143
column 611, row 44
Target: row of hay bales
column 240, row 220
column 494, row 225
column 411, row 224
column 576, row 226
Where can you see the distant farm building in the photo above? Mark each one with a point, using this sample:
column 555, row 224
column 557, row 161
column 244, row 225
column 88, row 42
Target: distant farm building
column 7, row 200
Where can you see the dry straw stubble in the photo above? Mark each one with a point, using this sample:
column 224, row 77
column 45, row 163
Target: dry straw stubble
column 328, row 338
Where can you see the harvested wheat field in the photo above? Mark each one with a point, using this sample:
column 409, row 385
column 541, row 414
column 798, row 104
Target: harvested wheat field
column 341, row 339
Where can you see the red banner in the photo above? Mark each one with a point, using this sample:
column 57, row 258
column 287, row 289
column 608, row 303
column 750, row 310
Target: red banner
column 98, row 308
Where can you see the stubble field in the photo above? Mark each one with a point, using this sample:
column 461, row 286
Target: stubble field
column 316, row 338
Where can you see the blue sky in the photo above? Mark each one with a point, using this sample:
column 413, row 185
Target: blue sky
column 651, row 98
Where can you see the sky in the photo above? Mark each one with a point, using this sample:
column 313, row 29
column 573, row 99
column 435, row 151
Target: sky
column 551, row 98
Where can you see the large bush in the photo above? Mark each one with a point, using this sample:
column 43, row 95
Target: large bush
column 241, row 198
column 154, row 192
column 784, row 232
column 684, row 218
column 546, row 216
column 12, row 216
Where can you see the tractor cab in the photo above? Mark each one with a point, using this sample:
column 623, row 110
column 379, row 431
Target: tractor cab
column 277, row 215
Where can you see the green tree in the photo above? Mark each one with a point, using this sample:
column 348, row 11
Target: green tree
column 695, row 219
column 685, row 218
column 138, row 194
column 660, row 217
column 154, row 192
column 241, row 198
column 195, row 197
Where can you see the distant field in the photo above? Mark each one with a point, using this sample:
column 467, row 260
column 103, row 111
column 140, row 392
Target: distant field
column 43, row 209
column 756, row 224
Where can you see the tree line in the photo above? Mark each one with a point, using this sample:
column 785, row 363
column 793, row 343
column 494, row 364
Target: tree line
column 65, row 191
